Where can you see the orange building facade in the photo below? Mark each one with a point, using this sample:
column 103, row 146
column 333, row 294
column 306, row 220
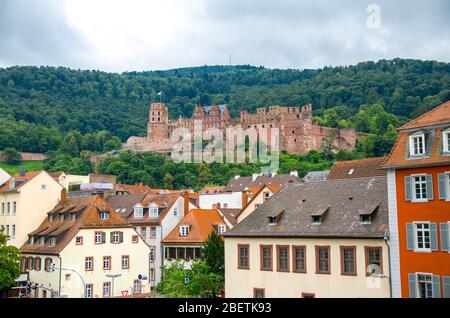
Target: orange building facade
column 419, row 207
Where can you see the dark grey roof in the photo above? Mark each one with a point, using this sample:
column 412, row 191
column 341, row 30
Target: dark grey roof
column 230, row 214
column 346, row 199
column 239, row 184
column 124, row 204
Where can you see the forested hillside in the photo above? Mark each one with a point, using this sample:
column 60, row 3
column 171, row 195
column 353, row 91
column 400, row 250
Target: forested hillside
column 40, row 105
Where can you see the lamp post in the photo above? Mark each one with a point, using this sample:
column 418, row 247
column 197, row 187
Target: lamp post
column 113, row 276
column 52, row 268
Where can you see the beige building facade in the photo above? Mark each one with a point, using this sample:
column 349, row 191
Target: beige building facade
column 24, row 202
column 275, row 283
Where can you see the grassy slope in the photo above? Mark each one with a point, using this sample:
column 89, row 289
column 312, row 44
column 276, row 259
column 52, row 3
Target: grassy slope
column 29, row 165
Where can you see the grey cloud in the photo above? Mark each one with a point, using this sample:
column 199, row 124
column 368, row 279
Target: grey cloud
column 282, row 33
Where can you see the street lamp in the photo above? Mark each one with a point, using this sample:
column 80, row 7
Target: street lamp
column 113, row 276
column 52, row 267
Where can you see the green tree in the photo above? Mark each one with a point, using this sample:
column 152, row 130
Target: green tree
column 172, row 283
column 213, row 253
column 9, row 263
column 168, row 181
column 204, row 283
column 11, row 156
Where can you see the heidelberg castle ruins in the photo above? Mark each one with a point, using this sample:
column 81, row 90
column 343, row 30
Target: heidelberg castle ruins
column 298, row 132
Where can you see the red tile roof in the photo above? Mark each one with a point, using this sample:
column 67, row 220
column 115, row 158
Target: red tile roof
column 436, row 116
column 201, row 224
column 28, row 177
column 362, row 168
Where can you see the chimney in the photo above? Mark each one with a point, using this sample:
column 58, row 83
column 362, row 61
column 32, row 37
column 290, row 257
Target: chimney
column 22, row 171
column 12, row 183
column 63, row 196
column 218, row 205
column 236, row 177
column 294, row 173
column 255, row 176
column 273, row 174
column 186, row 201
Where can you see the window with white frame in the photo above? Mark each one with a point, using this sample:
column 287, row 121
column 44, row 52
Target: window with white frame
column 125, row 261
column 446, row 140
column 221, row 228
column 52, row 240
column 31, row 240
column 417, row 144
column 138, row 212
column 153, row 212
column 137, row 286
column 184, row 230
column 42, row 240
column 88, row 263
column 61, row 217
column 425, row 286
column 98, row 238
column 422, row 236
column 8, row 210
column 107, row 289
column 89, row 290
column 419, row 187
column 116, row 237
column 106, row 262
column 152, row 231
column 14, row 209
column 104, row 215
column 144, row 232
column 72, row 216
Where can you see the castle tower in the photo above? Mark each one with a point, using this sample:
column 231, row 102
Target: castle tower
column 158, row 122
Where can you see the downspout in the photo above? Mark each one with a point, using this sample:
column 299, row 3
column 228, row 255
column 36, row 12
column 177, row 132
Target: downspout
column 386, row 239
column 60, row 274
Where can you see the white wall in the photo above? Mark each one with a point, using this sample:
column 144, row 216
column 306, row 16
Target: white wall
column 233, row 199
column 4, row 176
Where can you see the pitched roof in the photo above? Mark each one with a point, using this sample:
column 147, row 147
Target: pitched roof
column 400, row 158
column 201, row 224
column 163, row 201
column 341, row 199
column 212, row 189
column 437, row 116
column 230, row 214
column 239, row 184
column 87, row 212
column 432, row 125
column 21, row 180
column 139, row 188
column 360, row 168
column 272, row 187
column 124, row 204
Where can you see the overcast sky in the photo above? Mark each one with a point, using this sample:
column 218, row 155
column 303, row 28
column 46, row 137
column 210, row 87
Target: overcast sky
column 125, row 35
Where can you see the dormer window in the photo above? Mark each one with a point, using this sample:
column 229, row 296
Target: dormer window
column 104, row 215
column 53, row 241
column 365, row 219
column 61, row 217
column 184, row 230
column 221, row 228
column 316, row 220
column 153, row 212
column 417, row 144
column 350, row 172
column 42, row 240
column 272, row 220
column 31, row 240
column 446, row 140
column 138, row 212
column 266, row 196
column 72, row 216
column 50, row 217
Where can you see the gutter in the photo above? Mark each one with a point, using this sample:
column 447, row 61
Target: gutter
column 386, row 239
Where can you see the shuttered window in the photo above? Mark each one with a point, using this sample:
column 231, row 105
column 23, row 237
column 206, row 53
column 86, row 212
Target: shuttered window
column 446, row 286
column 444, row 186
column 419, row 188
column 445, row 237
column 421, row 236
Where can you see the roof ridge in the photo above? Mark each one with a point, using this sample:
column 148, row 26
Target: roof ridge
column 423, row 115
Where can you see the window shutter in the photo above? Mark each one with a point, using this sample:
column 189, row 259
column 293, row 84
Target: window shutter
column 446, row 286
column 412, row 285
column 442, row 186
column 430, row 190
column 121, row 237
column 410, row 236
column 103, row 237
column 408, row 192
column 433, row 237
column 111, row 237
column 436, row 286
column 444, row 237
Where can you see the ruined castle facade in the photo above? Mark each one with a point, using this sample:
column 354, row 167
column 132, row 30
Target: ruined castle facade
column 298, row 132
